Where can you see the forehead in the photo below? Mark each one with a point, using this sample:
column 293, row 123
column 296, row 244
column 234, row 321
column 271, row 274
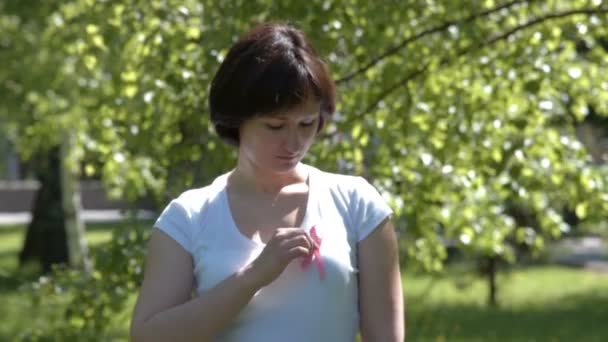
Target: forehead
column 303, row 110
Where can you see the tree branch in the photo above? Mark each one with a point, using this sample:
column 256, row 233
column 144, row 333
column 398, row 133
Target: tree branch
column 395, row 49
column 393, row 87
column 446, row 60
column 586, row 11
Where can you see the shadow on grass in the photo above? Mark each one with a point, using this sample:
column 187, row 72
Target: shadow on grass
column 12, row 280
column 573, row 318
column 9, row 230
column 7, row 254
column 96, row 226
column 108, row 226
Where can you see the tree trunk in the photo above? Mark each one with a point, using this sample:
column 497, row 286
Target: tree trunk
column 45, row 239
column 56, row 233
column 72, row 207
column 491, row 272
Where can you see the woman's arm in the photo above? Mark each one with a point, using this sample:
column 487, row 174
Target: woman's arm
column 165, row 310
column 380, row 292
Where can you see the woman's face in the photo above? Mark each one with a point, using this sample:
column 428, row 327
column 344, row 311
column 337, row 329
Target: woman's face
column 277, row 142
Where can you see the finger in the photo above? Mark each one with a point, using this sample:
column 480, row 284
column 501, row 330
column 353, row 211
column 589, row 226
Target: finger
column 298, row 240
column 311, row 241
column 297, row 252
column 287, row 233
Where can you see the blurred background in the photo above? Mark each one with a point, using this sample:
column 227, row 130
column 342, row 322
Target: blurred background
column 483, row 123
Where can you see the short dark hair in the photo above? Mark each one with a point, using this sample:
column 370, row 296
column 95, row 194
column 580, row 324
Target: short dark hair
column 271, row 68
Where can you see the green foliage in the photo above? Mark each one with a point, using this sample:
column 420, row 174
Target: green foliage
column 458, row 111
column 452, row 109
column 90, row 302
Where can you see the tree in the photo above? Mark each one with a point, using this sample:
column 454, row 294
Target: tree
column 455, row 110
column 37, row 111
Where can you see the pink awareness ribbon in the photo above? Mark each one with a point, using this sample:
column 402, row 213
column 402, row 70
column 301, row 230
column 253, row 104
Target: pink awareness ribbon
column 315, row 256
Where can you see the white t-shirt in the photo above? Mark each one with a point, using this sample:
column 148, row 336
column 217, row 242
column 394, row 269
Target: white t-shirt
column 298, row 305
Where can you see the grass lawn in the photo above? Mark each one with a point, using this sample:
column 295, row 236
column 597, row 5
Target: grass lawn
column 547, row 303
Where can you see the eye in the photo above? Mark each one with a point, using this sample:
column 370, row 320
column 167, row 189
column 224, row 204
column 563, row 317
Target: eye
column 274, row 127
column 307, row 124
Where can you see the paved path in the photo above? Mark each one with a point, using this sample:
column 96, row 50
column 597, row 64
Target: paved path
column 89, row 216
column 589, row 252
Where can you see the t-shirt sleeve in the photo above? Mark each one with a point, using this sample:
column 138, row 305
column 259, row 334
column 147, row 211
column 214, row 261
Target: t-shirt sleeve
column 175, row 222
column 370, row 209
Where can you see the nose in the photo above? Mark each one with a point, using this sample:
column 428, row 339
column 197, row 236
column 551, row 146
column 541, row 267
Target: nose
column 292, row 141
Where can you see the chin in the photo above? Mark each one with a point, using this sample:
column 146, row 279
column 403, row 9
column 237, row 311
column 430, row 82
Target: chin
column 284, row 166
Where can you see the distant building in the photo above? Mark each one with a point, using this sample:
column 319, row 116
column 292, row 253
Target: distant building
column 10, row 164
column 593, row 133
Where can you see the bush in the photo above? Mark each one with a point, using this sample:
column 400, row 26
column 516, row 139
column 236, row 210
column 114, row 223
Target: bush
column 74, row 305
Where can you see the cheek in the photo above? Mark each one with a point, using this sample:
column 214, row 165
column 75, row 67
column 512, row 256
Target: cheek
column 311, row 136
column 262, row 144
column 267, row 140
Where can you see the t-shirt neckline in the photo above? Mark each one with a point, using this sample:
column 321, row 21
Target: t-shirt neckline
column 232, row 226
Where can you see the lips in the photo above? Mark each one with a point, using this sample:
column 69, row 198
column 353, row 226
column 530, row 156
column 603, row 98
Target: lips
column 294, row 156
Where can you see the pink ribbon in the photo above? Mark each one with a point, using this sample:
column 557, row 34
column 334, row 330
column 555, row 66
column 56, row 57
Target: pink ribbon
column 315, row 256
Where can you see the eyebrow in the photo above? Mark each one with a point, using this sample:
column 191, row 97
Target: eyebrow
column 284, row 117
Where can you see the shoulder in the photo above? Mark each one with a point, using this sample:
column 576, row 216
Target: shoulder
column 190, row 206
column 184, row 216
column 359, row 200
column 346, row 185
column 348, row 190
column 193, row 201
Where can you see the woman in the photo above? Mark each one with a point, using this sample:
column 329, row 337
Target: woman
column 276, row 250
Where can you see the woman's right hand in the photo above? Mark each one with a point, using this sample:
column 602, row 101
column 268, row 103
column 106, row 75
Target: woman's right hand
column 285, row 245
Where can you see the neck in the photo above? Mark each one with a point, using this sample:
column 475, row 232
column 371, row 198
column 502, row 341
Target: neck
column 249, row 178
